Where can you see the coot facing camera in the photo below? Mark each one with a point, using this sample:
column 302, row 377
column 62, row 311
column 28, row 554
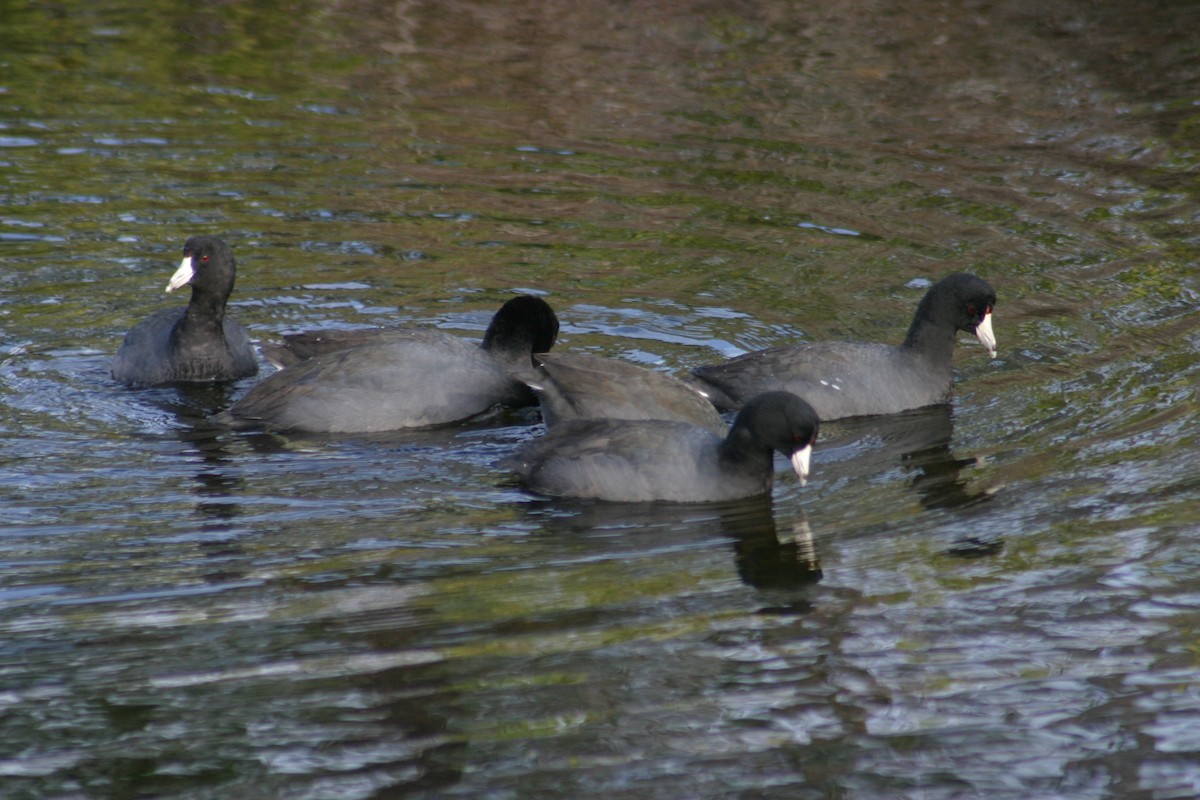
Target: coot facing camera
column 198, row 343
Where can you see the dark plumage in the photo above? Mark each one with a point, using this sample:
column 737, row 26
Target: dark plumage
column 581, row 386
column 195, row 344
column 390, row 378
column 653, row 460
column 846, row 379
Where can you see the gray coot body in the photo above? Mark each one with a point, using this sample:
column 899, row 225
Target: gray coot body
column 845, row 379
column 391, row 379
column 659, row 460
column 198, row 343
column 582, row 386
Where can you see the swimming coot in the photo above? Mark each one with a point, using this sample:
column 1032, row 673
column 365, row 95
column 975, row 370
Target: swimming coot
column 392, row 378
column 583, row 386
column 845, row 379
column 198, row 343
column 659, row 460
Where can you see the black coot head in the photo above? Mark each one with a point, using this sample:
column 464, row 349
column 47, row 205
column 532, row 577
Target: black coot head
column 523, row 325
column 208, row 266
column 781, row 421
column 964, row 300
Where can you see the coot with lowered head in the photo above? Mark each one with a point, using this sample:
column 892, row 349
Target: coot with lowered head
column 395, row 378
column 659, row 460
column 584, row 386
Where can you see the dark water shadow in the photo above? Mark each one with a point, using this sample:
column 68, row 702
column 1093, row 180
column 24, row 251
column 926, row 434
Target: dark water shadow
column 217, row 480
column 919, row 441
column 766, row 555
column 415, row 705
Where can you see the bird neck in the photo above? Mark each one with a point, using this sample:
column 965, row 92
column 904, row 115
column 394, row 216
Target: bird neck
column 930, row 338
column 739, row 447
column 205, row 315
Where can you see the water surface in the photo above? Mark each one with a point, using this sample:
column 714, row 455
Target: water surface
column 995, row 599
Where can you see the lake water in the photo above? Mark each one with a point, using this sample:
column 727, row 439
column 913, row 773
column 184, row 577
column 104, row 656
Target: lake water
column 998, row 599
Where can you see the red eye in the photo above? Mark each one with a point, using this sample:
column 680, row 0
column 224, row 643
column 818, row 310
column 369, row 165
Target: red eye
column 204, row 260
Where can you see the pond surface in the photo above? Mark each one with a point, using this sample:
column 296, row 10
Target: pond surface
column 997, row 599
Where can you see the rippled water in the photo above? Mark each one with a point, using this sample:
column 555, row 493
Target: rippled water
column 996, row 600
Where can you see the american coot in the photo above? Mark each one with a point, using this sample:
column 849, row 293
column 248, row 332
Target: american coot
column 844, row 379
column 196, row 343
column 650, row 460
column 582, row 386
column 391, row 378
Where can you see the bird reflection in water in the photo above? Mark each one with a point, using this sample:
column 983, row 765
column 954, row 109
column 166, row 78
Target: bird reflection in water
column 762, row 556
column 920, row 442
column 216, row 485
